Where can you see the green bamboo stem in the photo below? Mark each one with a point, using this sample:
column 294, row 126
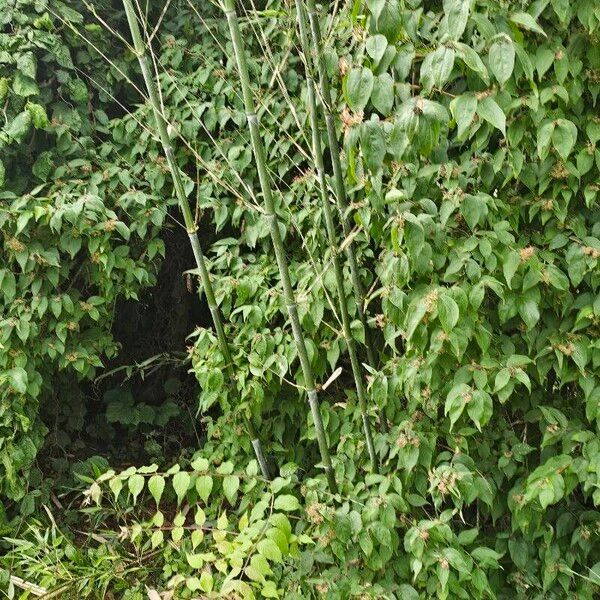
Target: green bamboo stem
column 190, row 224
column 265, row 184
column 332, row 235
column 339, row 185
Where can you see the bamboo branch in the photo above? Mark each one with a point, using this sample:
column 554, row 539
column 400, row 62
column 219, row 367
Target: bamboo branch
column 332, row 235
column 282, row 263
column 338, row 177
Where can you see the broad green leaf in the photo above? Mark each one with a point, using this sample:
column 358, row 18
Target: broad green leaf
column 372, row 139
column 206, row 582
column 457, row 15
column 544, row 137
column 116, row 485
column 382, row 96
column 376, row 46
column 480, row 408
column 181, row 483
column 270, row 550
column 204, row 485
column 510, row 265
column 38, row 115
column 529, row 311
column 19, row 127
column 472, row 60
column 196, row 561
column 25, row 86
column 157, row 538
column 502, row 59
column 156, row 486
column 562, row 8
column 416, row 313
column 135, row 484
column 502, row 378
column 564, row 137
column 488, row 109
column 231, row 484
column 463, row 110
column 359, row 86
column 436, row 68
column 527, row 21
column 286, row 503
column 456, row 400
column 17, row 377
column 389, row 21
column 448, row 312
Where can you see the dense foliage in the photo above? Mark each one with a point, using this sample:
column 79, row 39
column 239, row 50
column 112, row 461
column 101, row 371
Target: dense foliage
column 468, row 132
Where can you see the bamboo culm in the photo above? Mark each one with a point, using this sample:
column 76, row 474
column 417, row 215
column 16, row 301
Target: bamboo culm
column 338, row 178
column 332, row 235
column 190, row 225
column 280, row 256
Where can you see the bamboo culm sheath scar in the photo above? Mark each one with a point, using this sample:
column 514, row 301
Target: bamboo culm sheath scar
column 338, row 178
column 190, row 225
column 331, row 234
column 259, row 155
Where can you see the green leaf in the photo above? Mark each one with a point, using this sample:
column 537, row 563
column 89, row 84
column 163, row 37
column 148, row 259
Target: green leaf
column 204, row 486
column 544, row 137
column 488, row 109
column 382, row 96
column 502, row 59
column 181, row 483
column 270, row 550
column 19, row 127
column 456, row 14
column 231, row 484
column 156, row 486
column 359, row 86
column 564, row 137
column 407, row 592
column 416, row 312
column 456, row 400
column 287, row 503
column 38, row 115
column 527, row 21
column 463, row 110
column 372, row 141
column 530, row 312
column 157, row 538
column 437, row 67
column 448, row 312
column 510, row 265
column 472, row 60
column 206, row 582
column 480, row 408
column 376, row 46
column 502, row 378
column 25, row 86
column 389, row 21
column 135, row 484
column 196, row 561
column 17, row 377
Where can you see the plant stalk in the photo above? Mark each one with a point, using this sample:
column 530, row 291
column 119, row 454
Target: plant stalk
column 332, row 235
column 282, row 263
column 190, row 224
column 338, row 177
